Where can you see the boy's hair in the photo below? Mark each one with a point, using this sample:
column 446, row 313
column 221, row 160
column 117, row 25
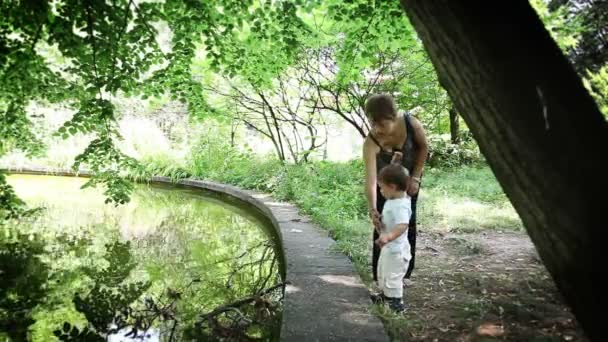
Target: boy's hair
column 395, row 174
column 380, row 107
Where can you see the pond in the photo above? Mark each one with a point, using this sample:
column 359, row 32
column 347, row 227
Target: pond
column 174, row 264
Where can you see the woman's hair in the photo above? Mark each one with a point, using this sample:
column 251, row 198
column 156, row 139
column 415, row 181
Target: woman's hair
column 395, row 174
column 380, row 107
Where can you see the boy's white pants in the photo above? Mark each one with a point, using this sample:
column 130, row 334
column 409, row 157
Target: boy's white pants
column 392, row 266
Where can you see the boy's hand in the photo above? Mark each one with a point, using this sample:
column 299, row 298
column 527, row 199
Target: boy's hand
column 383, row 240
column 397, row 156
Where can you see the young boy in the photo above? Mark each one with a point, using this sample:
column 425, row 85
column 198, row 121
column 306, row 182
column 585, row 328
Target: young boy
column 395, row 249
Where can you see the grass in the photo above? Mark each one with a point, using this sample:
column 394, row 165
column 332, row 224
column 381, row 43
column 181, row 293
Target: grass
column 464, row 199
column 475, row 183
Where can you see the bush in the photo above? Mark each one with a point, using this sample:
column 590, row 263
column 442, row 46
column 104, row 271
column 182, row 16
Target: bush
column 334, row 188
column 214, row 159
column 445, row 154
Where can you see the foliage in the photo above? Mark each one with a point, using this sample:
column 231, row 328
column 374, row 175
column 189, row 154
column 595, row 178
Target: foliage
column 588, row 17
column 102, row 59
column 23, row 282
column 84, row 53
column 597, row 83
column 11, row 206
column 579, row 29
column 101, row 154
column 95, row 52
column 355, row 49
column 566, row 30
column 107, row 305
column 446, row 154
column 113, row 306
column 350, row 50
column 377, row 41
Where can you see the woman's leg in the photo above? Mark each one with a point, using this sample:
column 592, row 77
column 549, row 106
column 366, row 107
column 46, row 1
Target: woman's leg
column 375, row 255
column 375, row 249
column 411, row 237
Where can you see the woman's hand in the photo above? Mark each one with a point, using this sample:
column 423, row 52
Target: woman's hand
column 376, row 218
column 397, row 157
column 413, row 186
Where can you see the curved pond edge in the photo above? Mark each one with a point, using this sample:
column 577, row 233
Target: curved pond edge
column 325, row 299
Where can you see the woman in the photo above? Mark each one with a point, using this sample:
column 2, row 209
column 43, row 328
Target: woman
column 392, row 131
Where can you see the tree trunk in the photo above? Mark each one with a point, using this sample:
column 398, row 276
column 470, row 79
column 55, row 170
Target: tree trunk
column 454, row 125
column 232, row 132
column 538, row 127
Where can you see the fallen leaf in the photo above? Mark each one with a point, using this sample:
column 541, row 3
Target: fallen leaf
column 489, row 329
column 432, row 249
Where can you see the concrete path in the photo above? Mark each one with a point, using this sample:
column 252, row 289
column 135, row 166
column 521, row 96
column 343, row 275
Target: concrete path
column 326, row 300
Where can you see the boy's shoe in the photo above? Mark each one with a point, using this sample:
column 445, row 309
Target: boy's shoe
column 378, row 298
column 396, row 304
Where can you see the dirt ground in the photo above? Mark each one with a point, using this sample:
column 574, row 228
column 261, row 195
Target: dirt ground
column 481, row 287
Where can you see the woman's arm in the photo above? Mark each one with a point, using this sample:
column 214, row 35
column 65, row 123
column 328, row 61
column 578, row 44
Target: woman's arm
column 421, row 154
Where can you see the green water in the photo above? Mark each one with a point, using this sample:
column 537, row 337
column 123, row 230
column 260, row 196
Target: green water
column 160, row 262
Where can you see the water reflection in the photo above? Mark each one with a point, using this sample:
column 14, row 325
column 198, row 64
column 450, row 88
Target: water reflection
column 151, row 335
column 170, row 265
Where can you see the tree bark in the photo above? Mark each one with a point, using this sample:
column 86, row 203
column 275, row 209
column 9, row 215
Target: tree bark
column 540, row 130
column 454, row 126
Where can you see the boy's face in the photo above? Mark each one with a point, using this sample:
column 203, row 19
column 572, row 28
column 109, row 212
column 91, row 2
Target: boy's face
column 387, row 190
